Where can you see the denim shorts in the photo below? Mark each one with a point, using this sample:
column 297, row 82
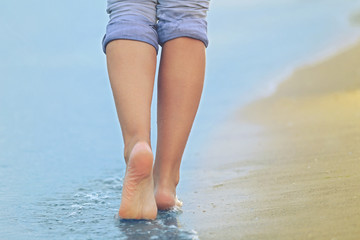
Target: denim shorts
column 156, row 21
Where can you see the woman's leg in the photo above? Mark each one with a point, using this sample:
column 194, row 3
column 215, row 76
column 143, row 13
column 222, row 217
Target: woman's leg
column 180, row 85
column 182, row 31
column 131, row 43
column 131, row 67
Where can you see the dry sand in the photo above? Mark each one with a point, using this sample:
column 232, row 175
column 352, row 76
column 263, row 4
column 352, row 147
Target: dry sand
column 288, row 166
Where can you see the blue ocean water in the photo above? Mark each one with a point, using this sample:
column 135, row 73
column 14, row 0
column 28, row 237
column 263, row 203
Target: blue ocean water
column 61, row 164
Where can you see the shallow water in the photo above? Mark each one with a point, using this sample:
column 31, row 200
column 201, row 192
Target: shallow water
column 87, row 212
column 60, row 144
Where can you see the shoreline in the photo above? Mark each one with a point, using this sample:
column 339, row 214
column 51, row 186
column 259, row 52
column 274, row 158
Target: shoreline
column 286, row 165
column 332, row 49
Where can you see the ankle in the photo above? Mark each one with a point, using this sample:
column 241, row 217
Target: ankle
column 129, row 145
column 168, row 182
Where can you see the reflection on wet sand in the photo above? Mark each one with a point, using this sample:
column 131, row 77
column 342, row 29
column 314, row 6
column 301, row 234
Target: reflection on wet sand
column 166, row 226
column 88, row 211
column 303, row 146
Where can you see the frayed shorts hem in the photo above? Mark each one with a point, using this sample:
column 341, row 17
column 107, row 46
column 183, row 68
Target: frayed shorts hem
column 131, row 30
column 155, row 34
column 192, row 28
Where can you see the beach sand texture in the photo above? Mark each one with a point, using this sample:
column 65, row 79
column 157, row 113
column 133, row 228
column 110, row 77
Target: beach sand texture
column 288, row 165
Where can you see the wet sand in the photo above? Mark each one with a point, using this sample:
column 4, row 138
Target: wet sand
column 288, row 166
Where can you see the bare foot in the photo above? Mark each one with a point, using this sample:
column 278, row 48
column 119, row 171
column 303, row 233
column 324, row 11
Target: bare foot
column 138, row 200
column 165, row 197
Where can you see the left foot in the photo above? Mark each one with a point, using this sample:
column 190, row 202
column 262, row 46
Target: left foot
column 138, row 190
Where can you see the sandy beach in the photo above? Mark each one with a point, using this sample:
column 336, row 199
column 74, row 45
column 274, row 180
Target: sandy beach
column 288, row 166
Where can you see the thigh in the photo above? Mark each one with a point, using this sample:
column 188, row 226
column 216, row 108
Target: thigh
column 129, row 9
column 182, row 18
column 168, row 10
column 131, row 20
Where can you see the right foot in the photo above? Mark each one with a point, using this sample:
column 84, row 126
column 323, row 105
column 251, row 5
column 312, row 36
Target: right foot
column 138, row 200
column 165, row 197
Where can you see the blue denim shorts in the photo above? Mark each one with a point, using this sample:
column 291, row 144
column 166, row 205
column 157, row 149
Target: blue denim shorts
column 156, row 21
